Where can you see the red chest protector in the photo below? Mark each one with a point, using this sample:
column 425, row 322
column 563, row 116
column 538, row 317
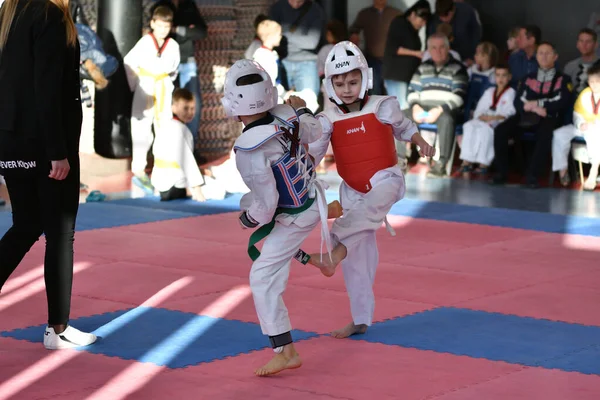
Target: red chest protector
column 362, row 145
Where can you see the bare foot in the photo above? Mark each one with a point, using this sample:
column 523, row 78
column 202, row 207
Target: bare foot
column 287, row 359
column 590, row 184
column 349, row 330
column 334, row 210
column 326, row 265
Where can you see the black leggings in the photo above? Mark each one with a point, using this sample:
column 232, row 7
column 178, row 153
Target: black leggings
column 44, row 205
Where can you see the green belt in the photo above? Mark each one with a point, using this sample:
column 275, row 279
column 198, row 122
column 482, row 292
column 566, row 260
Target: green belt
column 265, row 230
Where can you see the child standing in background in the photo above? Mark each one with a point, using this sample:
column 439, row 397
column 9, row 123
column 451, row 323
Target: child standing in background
column 151, row 68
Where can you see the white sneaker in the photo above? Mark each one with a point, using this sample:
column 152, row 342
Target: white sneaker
column 68, row 339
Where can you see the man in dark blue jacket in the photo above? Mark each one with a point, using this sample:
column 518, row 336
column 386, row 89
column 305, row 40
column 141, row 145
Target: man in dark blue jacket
column 542, row 99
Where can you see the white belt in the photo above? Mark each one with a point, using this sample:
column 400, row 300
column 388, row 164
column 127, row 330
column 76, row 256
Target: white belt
column 321, row 200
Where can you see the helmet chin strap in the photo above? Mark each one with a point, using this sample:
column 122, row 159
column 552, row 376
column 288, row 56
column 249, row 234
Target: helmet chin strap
column 345, row 108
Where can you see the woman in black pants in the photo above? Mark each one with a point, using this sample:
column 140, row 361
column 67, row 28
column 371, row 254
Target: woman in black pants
column 40, row 124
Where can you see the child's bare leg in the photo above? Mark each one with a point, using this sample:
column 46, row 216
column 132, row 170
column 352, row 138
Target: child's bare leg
column 287, row 359
column 326, row 265
column 349, row 330
column 590, row 182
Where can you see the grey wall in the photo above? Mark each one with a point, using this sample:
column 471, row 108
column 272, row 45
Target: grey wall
column 559, row 20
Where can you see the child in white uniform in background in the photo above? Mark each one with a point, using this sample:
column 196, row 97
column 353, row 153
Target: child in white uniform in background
column 362, row 130
column 151, row 67
column 285, row 197
column 175, row 167
column 269, row 32
column 586, row 123
column 495, row 105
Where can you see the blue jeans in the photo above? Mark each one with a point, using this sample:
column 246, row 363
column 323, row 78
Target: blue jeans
column 302, row 75
column 188, row 79
column 400, row 90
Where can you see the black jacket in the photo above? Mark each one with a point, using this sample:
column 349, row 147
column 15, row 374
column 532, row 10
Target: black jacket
column 40, row 105
column 401, row 34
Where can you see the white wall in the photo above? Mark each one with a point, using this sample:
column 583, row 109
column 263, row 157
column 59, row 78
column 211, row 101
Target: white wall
column 354, row 6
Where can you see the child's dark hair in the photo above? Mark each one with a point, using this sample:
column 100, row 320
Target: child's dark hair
column 503, row 65
column 182, row 94
column 594, row 69
column 163, row 13
column 259, row 18
column 546, row 43
column 589, row 31
column 249, row 80
column 338, row 30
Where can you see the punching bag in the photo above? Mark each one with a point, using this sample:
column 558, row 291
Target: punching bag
column 119, row 27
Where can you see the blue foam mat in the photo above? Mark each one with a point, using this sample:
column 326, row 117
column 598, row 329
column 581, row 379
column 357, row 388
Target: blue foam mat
column 494, row 336
column 164, row 337
column 178, row 339
column 209, row 207
column 110, row 215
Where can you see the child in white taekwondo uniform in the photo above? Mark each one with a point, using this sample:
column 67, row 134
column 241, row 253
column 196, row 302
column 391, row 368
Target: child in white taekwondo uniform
column 151, row 67
column 175, row 168
column 494, row 106
column 362, row 130
column 285, row 197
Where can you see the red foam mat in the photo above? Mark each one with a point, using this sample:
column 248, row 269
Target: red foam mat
column 554, row 301
column 118, row 244
column 359, row 370
column 314, row 310
column 532, row 383
column 422, row 285
column 140, row 282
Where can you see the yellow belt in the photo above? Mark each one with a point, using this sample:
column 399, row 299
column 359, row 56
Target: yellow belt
column 159, row 90
column 166, row 164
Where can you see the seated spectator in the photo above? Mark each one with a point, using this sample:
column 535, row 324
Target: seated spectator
column 587, row 121
column 481, row 75
column 511, row 43
column 586, row 118
column 541, row 102
column 523, row 62
column 577, row 70
column 446, row 30
column 436, row 96
column 495, row 106
column 256, row 42
column 465, row 24
column 587, row 43
column 175, row 168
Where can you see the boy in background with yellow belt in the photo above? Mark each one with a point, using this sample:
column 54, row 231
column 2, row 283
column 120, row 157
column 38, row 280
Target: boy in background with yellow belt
column 151, row 68
column 175, row 168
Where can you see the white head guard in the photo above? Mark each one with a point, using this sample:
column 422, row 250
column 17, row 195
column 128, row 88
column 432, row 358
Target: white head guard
column 248, row 99
column 343, row 58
